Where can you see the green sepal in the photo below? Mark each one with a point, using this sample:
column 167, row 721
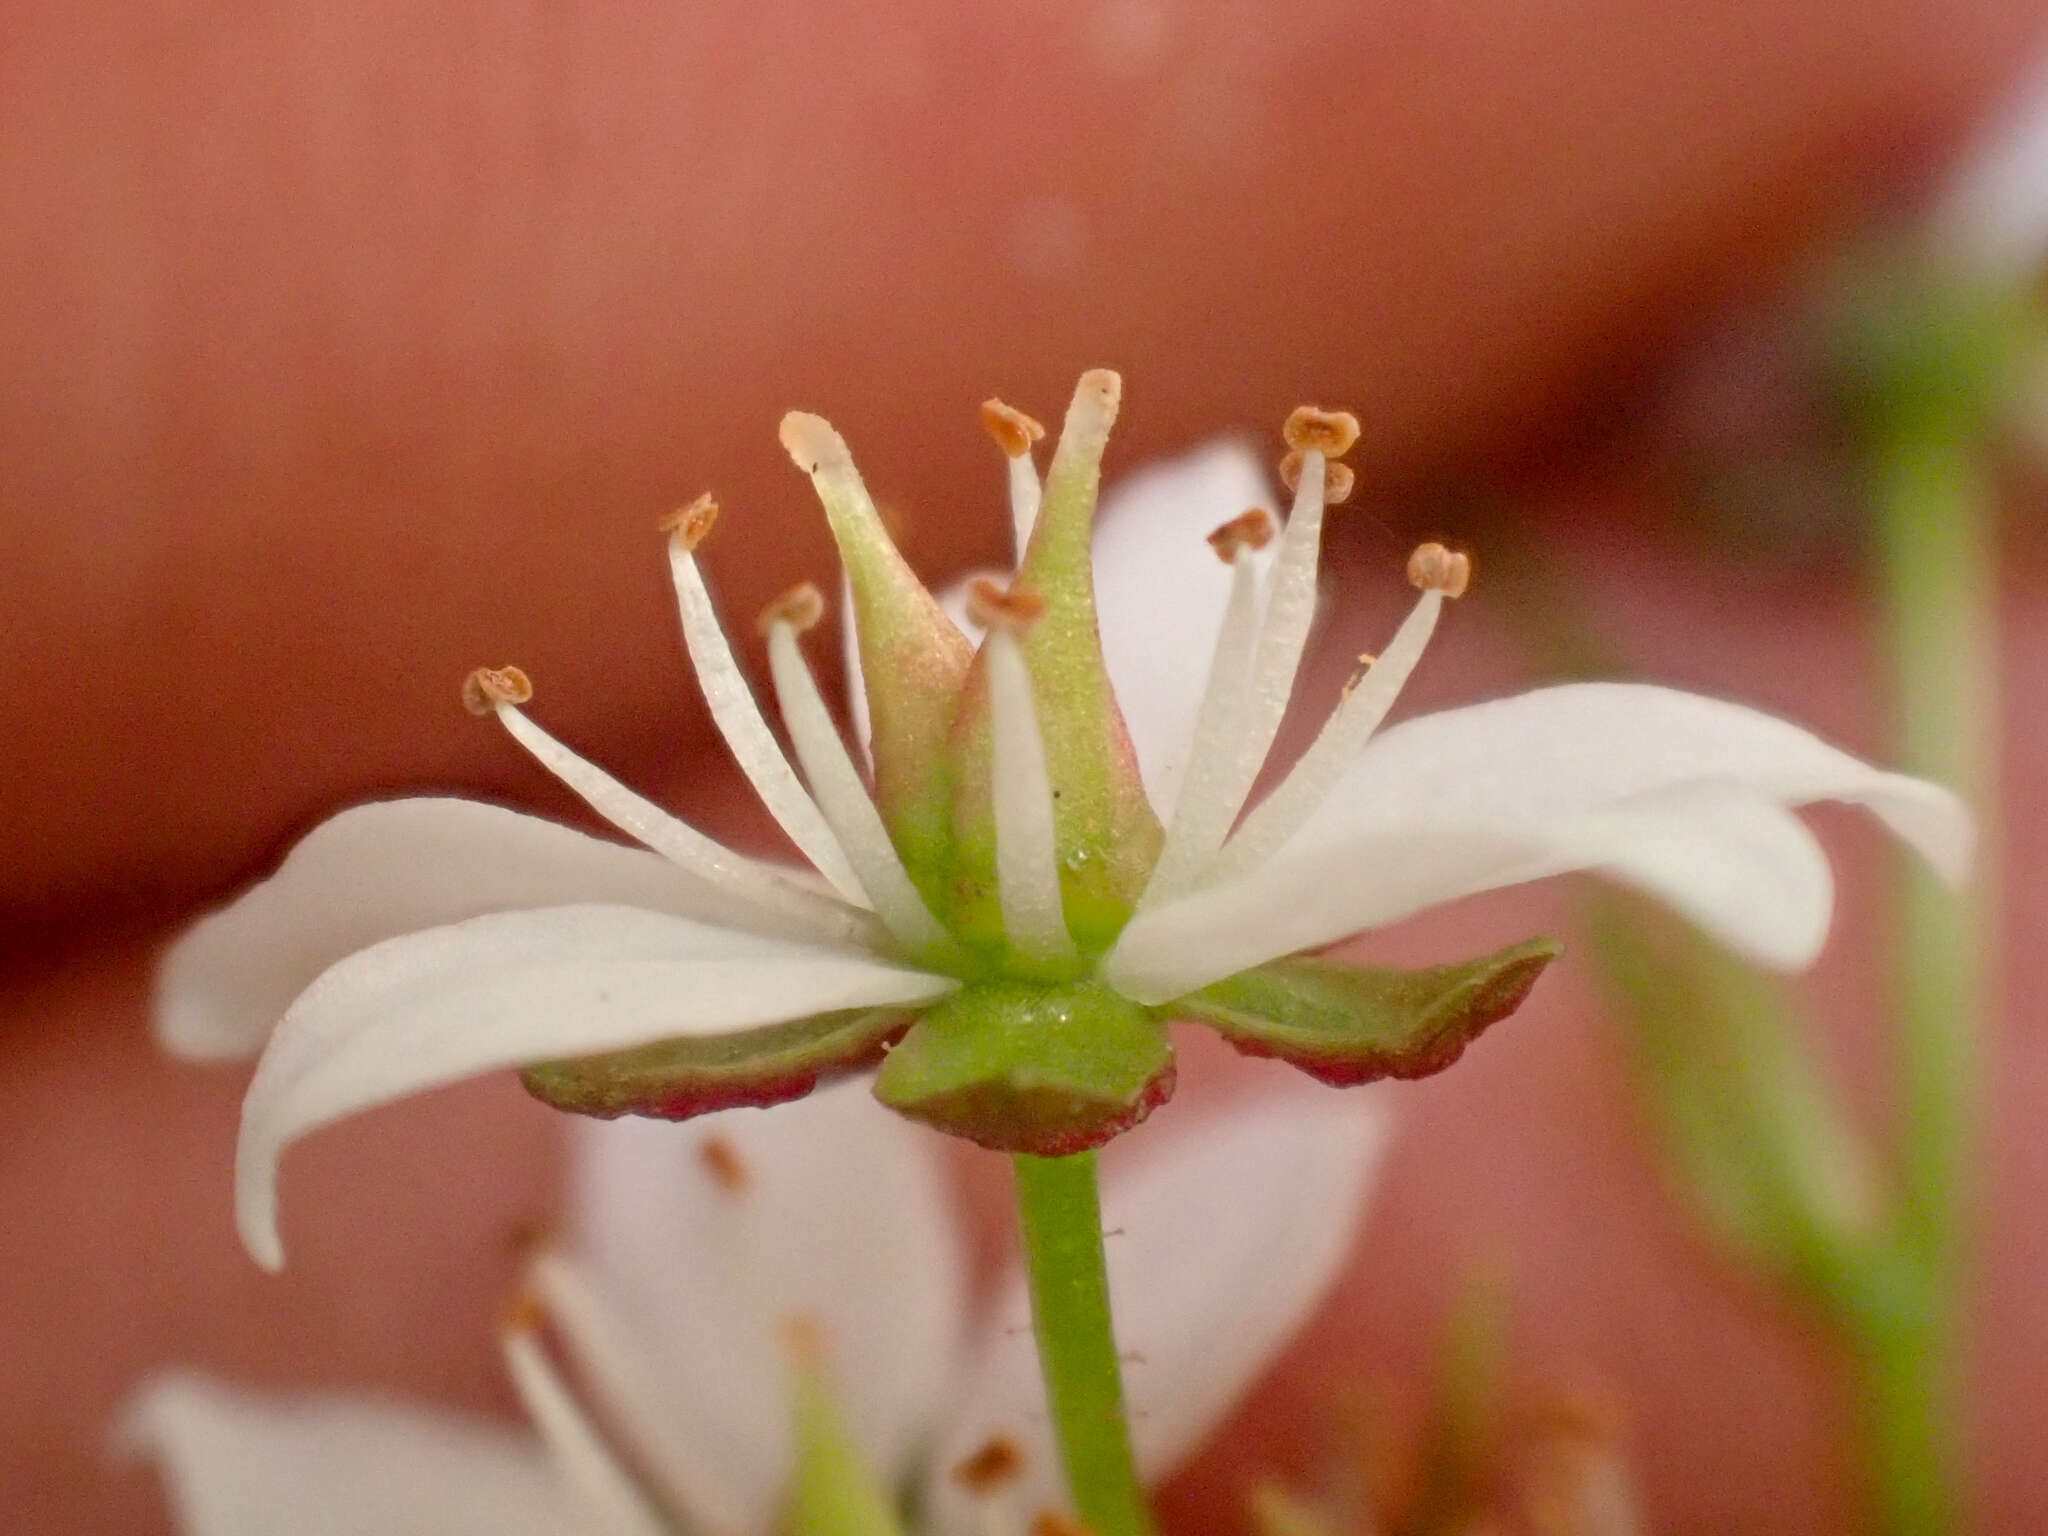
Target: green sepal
column 693, row 1075
column 1018, row 1067
column 1347, row 1024
column 832, row 1489
column 1107, row 835
column 914, row 659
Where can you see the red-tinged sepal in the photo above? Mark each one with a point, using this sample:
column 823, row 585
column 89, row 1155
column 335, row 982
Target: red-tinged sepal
column 913, row 658
column 1018, row 1067
column 1106, row 833
column 753, row 1068
column 1347, row 1024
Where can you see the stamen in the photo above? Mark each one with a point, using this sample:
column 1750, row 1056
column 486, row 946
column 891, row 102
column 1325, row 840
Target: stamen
column 738, row 714
column 728, row 1170
column 805, row 1340
column 842, row 794
column 993, row 605
column 1250, row 529
column 573, row 1440
column 1436, row 569
column 800, row 608
column 1364, row 706
column 488, row 687
column 789, row 907
column 1051, row 1522
column 1330, row 433
column 997, row 1464
column 1203, row 811
column 1337, row 478
column 1228, row 756
column 1027, row 860
column 615, row 1374
column 1015, row 433
column 689, row 525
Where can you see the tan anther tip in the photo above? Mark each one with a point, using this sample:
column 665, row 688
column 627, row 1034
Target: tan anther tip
column 688, row 525
column 1330, row 433
column 1436, row 569
column 1050, row 1522
column 995, row 606
column 722, row 1161
column 1338, row 480
column 800, row 608
column 1013, row 431
column 1250, row 529
column 804, row 1337
column 997, row 1462
column 522, row 1313
column 488, row 687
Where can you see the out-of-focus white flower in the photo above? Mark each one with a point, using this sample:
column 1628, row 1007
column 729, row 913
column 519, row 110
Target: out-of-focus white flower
column 1055, row 860
column 690, row 1254
column 1990, row 222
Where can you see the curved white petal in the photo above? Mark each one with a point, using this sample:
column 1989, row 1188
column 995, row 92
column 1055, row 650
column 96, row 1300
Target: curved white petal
column 514, row 988
column 696, row 1244
column 1161, row 593
column 1743, row 868
column 237, row 1463
column 1668, row 790
column 374, row 872
column 1582, row 745
column 1991, row 222
column 1223, row 1237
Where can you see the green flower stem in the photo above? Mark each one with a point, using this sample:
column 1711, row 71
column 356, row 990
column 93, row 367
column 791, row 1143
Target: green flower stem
column 1939, row 589
column 1061, row 1216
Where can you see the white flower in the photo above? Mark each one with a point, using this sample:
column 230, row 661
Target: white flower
column 1020, row 851
column 694, row 1249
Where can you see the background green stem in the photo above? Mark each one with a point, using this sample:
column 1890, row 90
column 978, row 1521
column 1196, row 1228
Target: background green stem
column 1939, row 587
column 1061, row 1215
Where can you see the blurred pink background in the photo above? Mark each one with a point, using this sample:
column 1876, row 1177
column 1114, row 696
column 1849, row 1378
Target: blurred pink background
column 342, row 349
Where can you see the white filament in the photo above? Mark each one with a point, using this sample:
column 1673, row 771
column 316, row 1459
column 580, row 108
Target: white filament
column 1244, row 737
column 1026, row 494
column 614, row 1372
column 843, row 797
column 760, row 886
column 1201, row 815
column 1344, row 735
column 753, row 745
column 1027, row 858
column 611, row 1495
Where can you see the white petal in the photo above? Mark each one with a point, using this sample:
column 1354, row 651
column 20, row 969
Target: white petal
column 514, row 988
column 238, row 1464
column 831, row 1209
column 1224, row 1236
column 1991, row 224
column 378, row 871
column 1587, row 744
column 1565, row 778
column 1161, row 592
column 1743, row 868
